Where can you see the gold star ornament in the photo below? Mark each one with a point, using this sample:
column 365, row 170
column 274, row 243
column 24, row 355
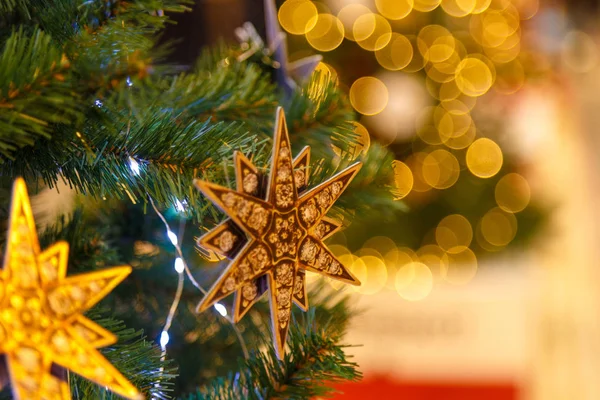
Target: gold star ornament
column 274, row 233
column 43, row 332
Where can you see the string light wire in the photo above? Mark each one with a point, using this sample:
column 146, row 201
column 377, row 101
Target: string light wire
column 177, row 298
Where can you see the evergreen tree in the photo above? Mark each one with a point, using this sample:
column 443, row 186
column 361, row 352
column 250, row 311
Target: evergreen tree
column 88, row 102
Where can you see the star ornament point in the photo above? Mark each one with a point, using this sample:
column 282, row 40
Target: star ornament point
column 274, row 233
column 43, row 332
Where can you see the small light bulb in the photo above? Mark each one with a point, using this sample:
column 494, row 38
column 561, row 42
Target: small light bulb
column 164, row 339
column 134, row 165
column 221, row 309
column 179, row 206
column 179, row 267
column 172, row 237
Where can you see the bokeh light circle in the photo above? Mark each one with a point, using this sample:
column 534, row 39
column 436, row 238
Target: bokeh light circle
column 444, row 71
column 381, row 244
column 484, row 158
column 498, row 227
column 481, row 6
column 452, row 120
column 368, row 95
column 431, row 255
column 459, row 266
column 579, row 52
column 429, row 134
column 327, row 33
column 426, row 5
column 458, row 8
column 453, row 232
column 417, row 62
column 414, row 281
column 403, row 180
column 348, row 16
column 397, row 54
column 473, row 77
column 449, row 91
column 512, row 193
column 394, row 260
column 425, row 128
column 372, row 31
column 400, row 256
column 510, row 77
column 394, row 9
column 358, row 268
column 376, row 275
column 415, row 163
column 463, row 141
column 435, row 43
column 297, row 16
column 440, row 169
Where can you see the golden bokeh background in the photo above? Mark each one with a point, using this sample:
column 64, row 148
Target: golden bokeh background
column 422, row 81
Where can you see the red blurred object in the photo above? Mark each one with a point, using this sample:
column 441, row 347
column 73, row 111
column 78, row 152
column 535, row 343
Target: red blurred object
column 383, row 388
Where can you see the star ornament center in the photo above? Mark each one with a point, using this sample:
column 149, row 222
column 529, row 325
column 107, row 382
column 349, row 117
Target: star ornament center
column 274, row 232
column 285, row 235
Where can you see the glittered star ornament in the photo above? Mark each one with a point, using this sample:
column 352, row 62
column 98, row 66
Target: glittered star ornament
column 43, row 332
column 274, row 233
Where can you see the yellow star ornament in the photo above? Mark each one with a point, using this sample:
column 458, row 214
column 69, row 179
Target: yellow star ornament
column 275, row 232
column 42, row 329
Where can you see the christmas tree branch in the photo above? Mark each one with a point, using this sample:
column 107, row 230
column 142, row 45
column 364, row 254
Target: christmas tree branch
column 227, row 92
column 138, row 359
column 34, row 90
column 9, row 6
column 64, row 19
column 314, row 362
column 127, row 158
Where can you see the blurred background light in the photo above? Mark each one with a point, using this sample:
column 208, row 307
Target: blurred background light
column 397, row 54
column 579, row 52
column 368, row 95
column 459, row 265
column 327, row 33
column 348, row 16
column 426, row 5
column 440, row 169
column 454, row 231
column 473, row 77
column 498, row 227
column 298, row 16
column 394, row 9
column 484, row 158
column 512, row 193
column 372, row 31
column 414, row 281
column 403, row 180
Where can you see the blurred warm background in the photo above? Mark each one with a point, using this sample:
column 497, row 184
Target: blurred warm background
column 485, row 285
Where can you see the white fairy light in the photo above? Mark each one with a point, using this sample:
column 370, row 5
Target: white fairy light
column 172, row 237
column 221, row 309
column 134, row 165
column 164, row 339
column 180, row 205
column 179, row 267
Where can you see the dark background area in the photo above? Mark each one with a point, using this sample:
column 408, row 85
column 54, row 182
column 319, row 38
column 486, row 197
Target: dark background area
column 209, row 21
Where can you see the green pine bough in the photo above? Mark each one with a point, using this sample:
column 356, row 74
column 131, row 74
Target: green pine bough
column 88, row 100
